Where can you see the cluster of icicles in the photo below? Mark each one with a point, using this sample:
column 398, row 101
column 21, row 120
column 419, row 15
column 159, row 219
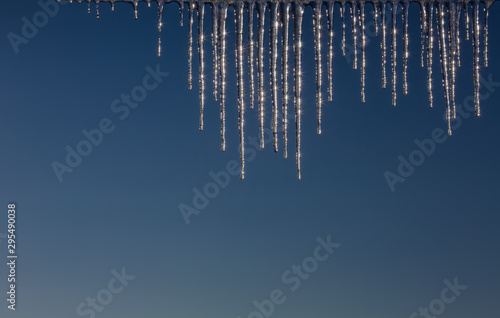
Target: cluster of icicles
column 284, row 15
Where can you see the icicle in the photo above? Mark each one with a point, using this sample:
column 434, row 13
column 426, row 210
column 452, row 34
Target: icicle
column 285, row 48
column 135, row 9
column 222, row 70
column 149, row 4
column 113, row 6
column 457, row 33
column 342, row 15
column 430, row 46
column 475, row 38
column 452, row 54
column 299, row 14
column 260, row 65
column 181, row 13
column 215, row 46
column 375, row 17
column 393, row 49
column 383, row 45
column 88, row 10
column 363, row 50
column 317, row 49
column 354, row 20
column 406, row 5
column 191, row 9
column 97, row 9
column 201, row 57
column 331, row 7
column 467, row 20
column 423, row 31
column 160, row 25
column 239, row 11
column 444, row 60
column 486, row 15
column 251, row 45
column 273, row 38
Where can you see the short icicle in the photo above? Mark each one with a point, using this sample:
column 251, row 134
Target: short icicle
column 260, row 65
column 160, row 24
column 354, row 20
column 330, row 9
column 201, row 59
column 486, row 22
column 97, row 8
column 375, row 17
column 181, row 13
column 317, row 50
column 298, row 17
column 342, row 16
column 136, row 16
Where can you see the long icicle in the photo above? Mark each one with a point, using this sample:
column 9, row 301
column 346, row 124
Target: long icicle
column 457, row 33
column 406, row 5
column 331, row 7
column 260, row 65
column 363, row 50
column 239, row 12
column 383, row 44
column 222, row 70
column 273, row 39
column 299, row 14
column 190, row 45
column 215, row 47
column 393, row 50
column 251, row 45
column 317, row 50
column 201, row 57
column 430, row 46
column 286, row 49
column 452, row 54
column 475, row 38
column 444, row 60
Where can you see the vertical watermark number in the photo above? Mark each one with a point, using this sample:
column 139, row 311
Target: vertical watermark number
column 11, row 256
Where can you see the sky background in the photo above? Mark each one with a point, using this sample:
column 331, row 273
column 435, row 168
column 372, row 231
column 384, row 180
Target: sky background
column 119, row 207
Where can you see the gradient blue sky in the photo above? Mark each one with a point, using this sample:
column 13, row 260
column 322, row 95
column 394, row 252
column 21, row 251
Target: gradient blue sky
column 119, row 208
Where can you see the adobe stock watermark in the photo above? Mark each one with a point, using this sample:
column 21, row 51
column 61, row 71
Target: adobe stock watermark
column 94, row 137
column 31, row 27
column 427, row 146
column 293, row 278
column 437, row 306
column 221, row 179
column 104, row 297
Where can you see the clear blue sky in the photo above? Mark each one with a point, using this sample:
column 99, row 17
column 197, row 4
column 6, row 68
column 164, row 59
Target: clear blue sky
column 119, row 208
